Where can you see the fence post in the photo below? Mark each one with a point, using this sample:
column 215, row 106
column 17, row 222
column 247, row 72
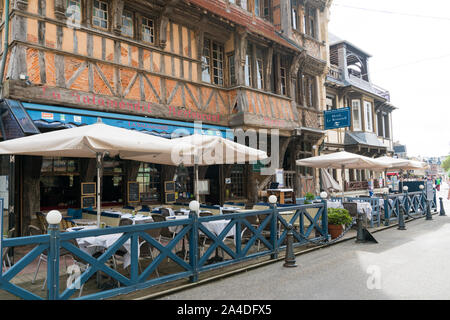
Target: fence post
column 274, row 227
column 325, row 217
column 442, row 210
column 401, row 219
column 53, row 218
column 435, row 200
column 386, row 210
column 406, row 200
column 290, row 256
column 359, row 224
column 194, row 207
column 429, row 217
column 193, row 246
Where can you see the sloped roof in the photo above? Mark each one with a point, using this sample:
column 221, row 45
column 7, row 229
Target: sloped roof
column 364, row 138
column 240, row 17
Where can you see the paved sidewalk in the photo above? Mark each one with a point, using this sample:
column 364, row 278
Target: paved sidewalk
column 410, row 264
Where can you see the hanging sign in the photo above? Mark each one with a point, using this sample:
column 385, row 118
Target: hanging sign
column 339, row 118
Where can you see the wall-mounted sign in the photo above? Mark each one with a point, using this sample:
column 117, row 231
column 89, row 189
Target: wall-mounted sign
column 339, row 118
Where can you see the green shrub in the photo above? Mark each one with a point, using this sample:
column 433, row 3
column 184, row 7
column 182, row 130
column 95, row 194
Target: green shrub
column 309, row 197
column 338, row 216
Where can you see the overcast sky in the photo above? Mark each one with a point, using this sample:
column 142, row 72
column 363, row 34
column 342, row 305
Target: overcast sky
column 410, row 58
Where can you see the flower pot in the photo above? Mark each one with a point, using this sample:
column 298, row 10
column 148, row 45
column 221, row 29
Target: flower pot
column 335, row 230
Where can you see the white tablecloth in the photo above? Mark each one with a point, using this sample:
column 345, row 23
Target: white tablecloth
column 365, row 207
column 217, row 226
column 91, row 245
column 176, row 229
column 138, row 218
column 335, row 204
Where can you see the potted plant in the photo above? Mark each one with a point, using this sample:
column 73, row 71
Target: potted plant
column 309, row 197
column 337, row 219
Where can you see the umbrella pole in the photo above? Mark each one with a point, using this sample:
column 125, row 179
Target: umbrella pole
column 343, row 181
column 197, row 197
column 99, row 210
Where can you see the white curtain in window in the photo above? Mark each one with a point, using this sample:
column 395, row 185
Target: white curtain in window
column 368, row 116
column 356, row 114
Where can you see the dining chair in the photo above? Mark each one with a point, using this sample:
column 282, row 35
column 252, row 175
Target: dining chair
column 43, row 224
column 246, row 234
column 205, row 214
column 165, row 212
column 352, row 208
column 63, row 253
column 5, row 259
column 125, row 222
column 5, row 256
column 145, row 248
column 164, row 232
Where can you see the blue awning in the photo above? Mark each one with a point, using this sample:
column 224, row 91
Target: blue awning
column 48, row 117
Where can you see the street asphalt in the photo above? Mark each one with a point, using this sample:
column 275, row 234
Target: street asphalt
column 405, row 264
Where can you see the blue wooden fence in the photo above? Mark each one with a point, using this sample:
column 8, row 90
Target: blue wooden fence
column 413, row 203
column 269, row 235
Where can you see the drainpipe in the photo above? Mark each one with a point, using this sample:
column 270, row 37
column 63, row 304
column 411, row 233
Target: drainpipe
column 5, row 47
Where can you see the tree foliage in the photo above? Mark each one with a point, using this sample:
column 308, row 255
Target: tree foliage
column 446, row 164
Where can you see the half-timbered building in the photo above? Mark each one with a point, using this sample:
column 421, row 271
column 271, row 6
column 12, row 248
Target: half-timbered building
column 160, row 66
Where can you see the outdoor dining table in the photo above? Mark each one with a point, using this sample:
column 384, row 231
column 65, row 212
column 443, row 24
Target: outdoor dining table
column 85, row 222
column 90, row 245
column 334, row 204
column 229, row 209
column 364, row 207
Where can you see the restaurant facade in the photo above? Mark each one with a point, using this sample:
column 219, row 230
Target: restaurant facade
column 166, row 68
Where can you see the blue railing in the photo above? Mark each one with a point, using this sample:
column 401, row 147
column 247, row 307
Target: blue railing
column 413, row 204
column 268, row 235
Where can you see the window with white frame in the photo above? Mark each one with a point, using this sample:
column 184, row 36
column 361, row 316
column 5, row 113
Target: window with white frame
column 212, row 62
column 148, row 30
column 127, row 23
column 100, row 14
column 356, row 115
column 368, row 119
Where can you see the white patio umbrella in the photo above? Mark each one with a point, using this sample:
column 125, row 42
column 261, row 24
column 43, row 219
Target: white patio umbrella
column 404, row 164
column 401, row 164
column 91, row 141
column 328, row 182
column 201, row 150
column 343, row 160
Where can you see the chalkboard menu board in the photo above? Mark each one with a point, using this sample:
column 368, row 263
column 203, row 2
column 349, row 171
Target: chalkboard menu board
column 88, row 201
column 133, row 191
column 169, row 186
column 88, row 188
column 170, row 197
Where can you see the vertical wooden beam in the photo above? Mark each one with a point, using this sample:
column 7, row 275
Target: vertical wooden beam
column 268, row 72
column 117, row 12
column 240, row 56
